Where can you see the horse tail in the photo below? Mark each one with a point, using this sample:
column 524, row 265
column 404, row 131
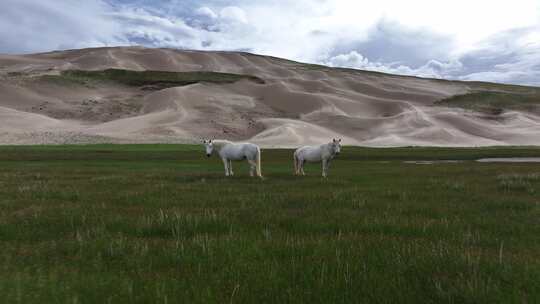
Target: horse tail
column 259, row 173
column 295, row 163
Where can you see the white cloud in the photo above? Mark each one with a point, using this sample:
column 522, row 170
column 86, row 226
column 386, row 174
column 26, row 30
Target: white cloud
column 432, row 68
column 33, row 26
column 142, row 27
column 462, row 39
column 469, row 21
column 205, row 12
column 233, row 14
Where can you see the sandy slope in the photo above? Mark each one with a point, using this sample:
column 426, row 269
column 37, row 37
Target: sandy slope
column 296, row 105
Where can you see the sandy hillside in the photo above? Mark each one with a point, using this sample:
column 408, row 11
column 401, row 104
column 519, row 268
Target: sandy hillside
column 276, row 103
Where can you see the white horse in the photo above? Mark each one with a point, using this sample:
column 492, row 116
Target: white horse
column 323, row 153
column 229, row 151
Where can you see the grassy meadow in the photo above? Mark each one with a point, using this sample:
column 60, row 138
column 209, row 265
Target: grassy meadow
column 161, row 224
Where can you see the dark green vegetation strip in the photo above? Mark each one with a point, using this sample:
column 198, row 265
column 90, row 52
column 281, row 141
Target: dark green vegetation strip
column 151, row 80
column 493, row 102
column 173, row 151
column 159, row 223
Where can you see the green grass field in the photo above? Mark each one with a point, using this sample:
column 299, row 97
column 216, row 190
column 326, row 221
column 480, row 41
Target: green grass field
column 161, row 224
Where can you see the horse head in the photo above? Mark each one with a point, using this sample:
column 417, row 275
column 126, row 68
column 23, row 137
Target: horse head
column 209, row 145
column 336, row 145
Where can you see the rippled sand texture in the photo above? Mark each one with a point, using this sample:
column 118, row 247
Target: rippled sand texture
column 297, row 104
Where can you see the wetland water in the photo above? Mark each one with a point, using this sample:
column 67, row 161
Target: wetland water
column 481, row 160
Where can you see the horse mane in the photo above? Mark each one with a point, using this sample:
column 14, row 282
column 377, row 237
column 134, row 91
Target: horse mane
column 326, row 145
column 219, row 143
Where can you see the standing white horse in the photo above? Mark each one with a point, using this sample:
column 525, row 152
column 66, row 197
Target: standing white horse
column 229, row 151
column 323, row 153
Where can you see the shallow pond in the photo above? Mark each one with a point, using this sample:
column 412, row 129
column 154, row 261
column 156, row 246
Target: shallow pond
column 510, row 160
column 481, row 160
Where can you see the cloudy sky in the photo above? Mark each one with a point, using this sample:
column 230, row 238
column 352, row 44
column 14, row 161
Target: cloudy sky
column 460, row 39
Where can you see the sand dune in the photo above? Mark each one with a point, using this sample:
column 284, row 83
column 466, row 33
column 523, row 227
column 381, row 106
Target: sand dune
column 297, row 104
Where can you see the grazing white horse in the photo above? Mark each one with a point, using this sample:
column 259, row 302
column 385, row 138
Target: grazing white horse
column 229, row 151
column 314, row 154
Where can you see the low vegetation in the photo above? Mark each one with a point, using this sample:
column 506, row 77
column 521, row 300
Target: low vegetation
column 150, row 80
column 495, row 102
column 161, row 224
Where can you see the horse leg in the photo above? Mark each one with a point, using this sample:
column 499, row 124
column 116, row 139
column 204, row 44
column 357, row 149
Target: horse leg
column 231, row 173
column 252, row 167
column 226, row 164
column 324, row 166
column 295, row 158
column 302, row 162
column 328, row 165
column 258, row 169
